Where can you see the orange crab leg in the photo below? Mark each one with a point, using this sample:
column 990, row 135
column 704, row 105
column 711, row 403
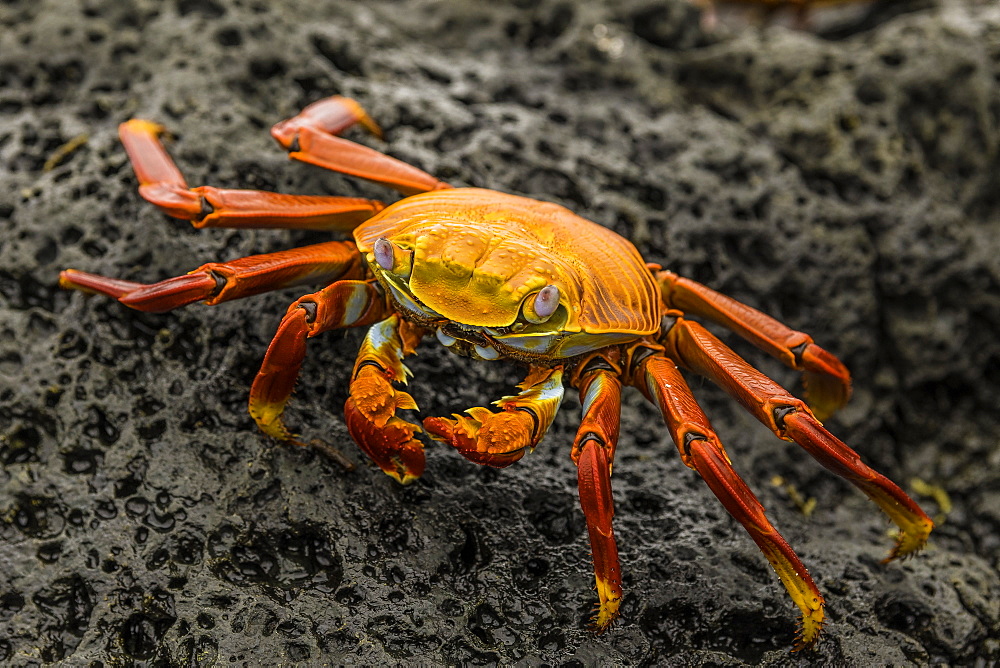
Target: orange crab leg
column 789, row 418
column 161, row 183
column 343, row 304
column 370, row 411
column 660, row 380
column 827, row 380
column 500, row 439
column 311, row 137
column 217, row 282
column 593, row 452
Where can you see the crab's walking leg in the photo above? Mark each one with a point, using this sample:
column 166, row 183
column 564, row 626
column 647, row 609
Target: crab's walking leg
column 161, row 183
column 217, row 282
column 371, row 409
column 500, row 439
column 659, row 379
column 310, row 136
column 827, row 380
column 789, row 418
column 343, row 304
column 594, row 452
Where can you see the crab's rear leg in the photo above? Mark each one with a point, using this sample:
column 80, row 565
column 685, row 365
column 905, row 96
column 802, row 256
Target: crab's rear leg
column 500, row 439
column 659, row 379
column 343, row 304
column 594, row 452
column 311, row 136
column 789, row 418
column 370, row 411
column 827, row 380
column 217, row 282
column 161, row 183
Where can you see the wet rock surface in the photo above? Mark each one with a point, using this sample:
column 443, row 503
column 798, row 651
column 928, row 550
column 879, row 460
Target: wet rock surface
column 845, row 182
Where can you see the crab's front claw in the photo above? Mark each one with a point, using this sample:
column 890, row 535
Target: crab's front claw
column 493, row 439
column 370, row 413
column 370, row 410
column 500, row 439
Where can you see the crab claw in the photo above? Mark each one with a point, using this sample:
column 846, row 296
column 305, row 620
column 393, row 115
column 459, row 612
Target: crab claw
column 500, row 439
column 493, row 439
column 370, row 414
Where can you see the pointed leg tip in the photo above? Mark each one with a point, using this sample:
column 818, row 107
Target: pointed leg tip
column 68, row 280
column 606, row 616
column 809, row 632
column 907, row 546
column 141, row 126
column 402, row 478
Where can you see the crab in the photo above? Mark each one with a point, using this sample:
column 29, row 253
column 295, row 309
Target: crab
column 494, row 276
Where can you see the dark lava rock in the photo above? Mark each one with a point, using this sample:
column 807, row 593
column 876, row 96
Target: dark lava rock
column 847, row 182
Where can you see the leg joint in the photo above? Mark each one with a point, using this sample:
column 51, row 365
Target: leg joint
column 596, row 363
column 536, row 424
column 220, row 282
column 311, row 309
column 798, row 351
column 207, row 209
column 779, row 413
column 667, row 324
column 638, row 357
column 689, row 437
column 373, row 363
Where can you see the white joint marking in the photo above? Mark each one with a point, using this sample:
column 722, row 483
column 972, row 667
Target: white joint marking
column 488, row 353
column 445, row 340
column 591, row 396
column 552, row 389
column 381, row 334
column 357, row 304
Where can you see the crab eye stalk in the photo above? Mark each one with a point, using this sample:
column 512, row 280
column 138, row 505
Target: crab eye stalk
column 392, row 258
column 544, row 304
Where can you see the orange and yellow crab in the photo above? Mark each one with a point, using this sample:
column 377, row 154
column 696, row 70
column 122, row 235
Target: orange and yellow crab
column 494, row 276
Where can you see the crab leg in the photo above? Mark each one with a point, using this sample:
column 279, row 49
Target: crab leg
column 500, row 439
column 310, row 136
column 789, row 418
column 659, row 379
column 343, row 304
column 370, row 410
column 217, row 282
column 827, row 380
column 593, row 452
column 161, row 183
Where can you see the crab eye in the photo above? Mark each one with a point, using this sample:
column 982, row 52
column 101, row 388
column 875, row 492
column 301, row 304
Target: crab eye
column 543, row 306
column 546, row 301
column 383, row 253
column 392, row 258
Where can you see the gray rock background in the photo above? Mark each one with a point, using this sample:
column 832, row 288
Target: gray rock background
column 845, row 181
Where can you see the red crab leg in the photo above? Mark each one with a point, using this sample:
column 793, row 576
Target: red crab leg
column 161, row 183
column 594, row 452
column 500, row 439
column 789, row 418
column 217, row 282
column 370, row 411
column 827, row 380
column 343, row 304
column 659, row 379
column 311, row 137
